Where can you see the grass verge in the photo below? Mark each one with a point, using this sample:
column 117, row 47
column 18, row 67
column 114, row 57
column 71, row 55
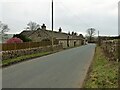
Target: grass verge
column 102, row 73
column 9, row 62
column 22, row 58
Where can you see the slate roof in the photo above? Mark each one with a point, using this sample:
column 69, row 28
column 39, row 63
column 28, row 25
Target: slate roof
column 48, row 34
column 26, row 32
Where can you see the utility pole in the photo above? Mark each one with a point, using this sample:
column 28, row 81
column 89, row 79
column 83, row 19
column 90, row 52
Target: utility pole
column 98, row 33
column 91, row 34
column 52, row 26
column 98, row 39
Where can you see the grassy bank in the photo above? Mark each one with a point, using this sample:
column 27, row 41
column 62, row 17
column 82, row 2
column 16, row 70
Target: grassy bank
column 102, row 73
column 22, row 58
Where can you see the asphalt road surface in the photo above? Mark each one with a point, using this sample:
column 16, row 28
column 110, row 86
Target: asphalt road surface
column 65, row 69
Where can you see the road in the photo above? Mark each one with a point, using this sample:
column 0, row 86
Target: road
column 65, row 69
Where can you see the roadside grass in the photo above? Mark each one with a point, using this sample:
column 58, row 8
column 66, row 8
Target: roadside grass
column 23, row 58
column 102, row 73
column 9, row 62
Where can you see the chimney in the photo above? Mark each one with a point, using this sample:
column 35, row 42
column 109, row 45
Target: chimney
column 72, row 32
column 43, row 27
column 60, row 30
column 75, row 34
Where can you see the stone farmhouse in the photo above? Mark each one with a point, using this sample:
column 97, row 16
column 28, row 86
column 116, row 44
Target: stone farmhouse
column 66, row 39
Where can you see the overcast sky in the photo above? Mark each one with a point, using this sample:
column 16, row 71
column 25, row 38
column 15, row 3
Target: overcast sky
column 71, row 15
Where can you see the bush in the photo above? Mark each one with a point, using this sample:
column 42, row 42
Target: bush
column 22, row 37
column 14, row 40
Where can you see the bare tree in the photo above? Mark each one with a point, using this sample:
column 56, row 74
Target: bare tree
column 33, row 26
column 3, row 28
column 90, row 33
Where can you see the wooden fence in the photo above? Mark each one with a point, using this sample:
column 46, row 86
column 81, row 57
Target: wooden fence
column 16, row 46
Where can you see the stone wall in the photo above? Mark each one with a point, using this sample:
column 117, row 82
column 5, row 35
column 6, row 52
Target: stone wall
column 17, row 53
column 110, row 48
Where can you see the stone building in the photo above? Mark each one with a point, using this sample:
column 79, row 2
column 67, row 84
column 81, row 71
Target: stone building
column 66, row 39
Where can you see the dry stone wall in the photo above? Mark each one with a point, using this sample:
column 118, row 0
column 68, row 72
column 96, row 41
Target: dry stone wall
column 110, row 48
column 17, row 53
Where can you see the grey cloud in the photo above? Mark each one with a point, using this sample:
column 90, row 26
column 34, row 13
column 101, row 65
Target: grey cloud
column 101, row 15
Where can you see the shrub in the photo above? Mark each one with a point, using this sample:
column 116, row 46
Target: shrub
column 22, row 37
column 14, row 40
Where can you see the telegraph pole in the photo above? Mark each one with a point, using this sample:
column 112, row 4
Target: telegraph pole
column 98, row 33
column 98, row 39
column 52, row 26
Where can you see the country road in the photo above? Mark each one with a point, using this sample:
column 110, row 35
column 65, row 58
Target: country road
column 65, row 69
